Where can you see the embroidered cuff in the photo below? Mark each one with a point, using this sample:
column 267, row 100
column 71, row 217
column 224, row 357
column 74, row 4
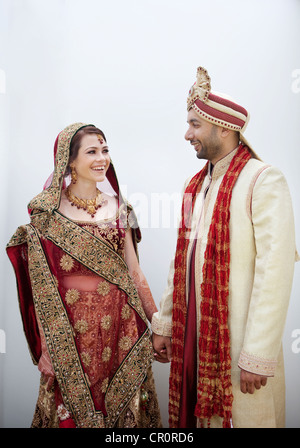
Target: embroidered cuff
column 160, row 327
column 255, row 364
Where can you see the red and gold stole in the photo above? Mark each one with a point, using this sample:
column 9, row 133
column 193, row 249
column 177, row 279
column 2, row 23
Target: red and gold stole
column 214, row 390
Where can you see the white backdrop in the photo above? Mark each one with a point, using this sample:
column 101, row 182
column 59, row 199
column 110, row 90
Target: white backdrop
column 127, row 67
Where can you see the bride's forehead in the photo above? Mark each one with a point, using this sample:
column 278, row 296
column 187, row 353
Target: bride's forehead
column 95, row 140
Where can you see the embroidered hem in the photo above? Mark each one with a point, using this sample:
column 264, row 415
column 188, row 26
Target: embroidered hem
column 160, row 327
column 256, row 364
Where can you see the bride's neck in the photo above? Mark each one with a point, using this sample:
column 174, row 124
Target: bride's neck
column 84, row 190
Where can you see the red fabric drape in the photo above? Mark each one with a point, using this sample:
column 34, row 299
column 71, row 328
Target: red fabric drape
column 188, row 397
column 18, row 258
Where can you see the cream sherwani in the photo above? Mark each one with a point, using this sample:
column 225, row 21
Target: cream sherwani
column 262, row 256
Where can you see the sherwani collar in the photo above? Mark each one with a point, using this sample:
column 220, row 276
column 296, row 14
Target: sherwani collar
column 220, row 168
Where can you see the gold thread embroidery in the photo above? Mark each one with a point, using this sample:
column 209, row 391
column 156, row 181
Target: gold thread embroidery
column 86, row 358
column 66, row 263
column 81, row 326
column 128, row 379
column 59, row 338
column 19, row 237
column 103, row 288
column 125, row 343
column 104, row 385
column 55, row 280
column 106, row 354
column 126, row 312
column 106, row 322
column 72, row 296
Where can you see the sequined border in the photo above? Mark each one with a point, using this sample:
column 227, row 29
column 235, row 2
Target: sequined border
column 59, row 337
column 128, row 378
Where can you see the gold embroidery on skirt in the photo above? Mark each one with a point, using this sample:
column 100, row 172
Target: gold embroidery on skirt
column 140, row 413
column 126, row 312
column 125, row 343
column 106, row 322
column 104, row 385
column 86, row 358
column 81, row 326
column 103, row 288
column 66, row 263
column 72, row 295
column 106, row 354
column 45, row 415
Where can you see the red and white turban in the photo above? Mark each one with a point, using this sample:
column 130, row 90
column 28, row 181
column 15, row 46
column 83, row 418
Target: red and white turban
column 217, row 108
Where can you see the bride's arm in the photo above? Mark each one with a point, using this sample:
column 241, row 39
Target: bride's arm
column 138, row 277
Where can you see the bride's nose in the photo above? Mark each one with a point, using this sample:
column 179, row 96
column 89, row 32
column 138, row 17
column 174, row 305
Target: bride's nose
column 100, row 156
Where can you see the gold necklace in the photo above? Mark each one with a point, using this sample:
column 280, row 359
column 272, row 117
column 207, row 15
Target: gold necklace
column 89, row 205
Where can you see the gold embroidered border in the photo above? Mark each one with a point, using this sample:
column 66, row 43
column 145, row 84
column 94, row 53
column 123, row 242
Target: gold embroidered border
column 19, row 237
column 59, row 338
column 128, row 378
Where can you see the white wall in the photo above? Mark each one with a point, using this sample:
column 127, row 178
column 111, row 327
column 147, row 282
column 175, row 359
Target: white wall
column 127, row 67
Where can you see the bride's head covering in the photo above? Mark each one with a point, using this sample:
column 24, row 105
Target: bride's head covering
column 49, row 199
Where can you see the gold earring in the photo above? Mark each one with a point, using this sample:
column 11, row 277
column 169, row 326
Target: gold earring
column 73, row 175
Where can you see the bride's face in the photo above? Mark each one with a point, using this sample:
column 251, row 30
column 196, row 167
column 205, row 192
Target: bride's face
column 92, row 161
